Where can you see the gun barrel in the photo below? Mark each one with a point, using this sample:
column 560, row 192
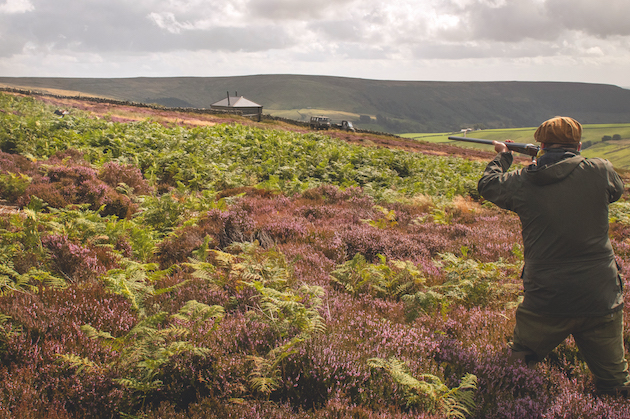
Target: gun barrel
column 529, row 149
column 470, row 140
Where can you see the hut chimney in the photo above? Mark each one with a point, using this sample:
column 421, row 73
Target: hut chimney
column 228, row 93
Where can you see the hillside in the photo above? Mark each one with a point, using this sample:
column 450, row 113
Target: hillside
column 160, row 265
column 428, row 143
column 394, row 106
column 131, row 113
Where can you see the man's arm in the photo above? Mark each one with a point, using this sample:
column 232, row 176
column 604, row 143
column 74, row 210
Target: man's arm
column 500, row 147
column 492, row 184
column 615, row 188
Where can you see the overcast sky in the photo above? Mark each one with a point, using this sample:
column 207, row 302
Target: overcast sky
column 451, row 40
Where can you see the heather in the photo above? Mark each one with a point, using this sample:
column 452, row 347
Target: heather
column 237, row 272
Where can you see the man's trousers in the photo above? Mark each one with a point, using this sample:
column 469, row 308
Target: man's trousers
column 599, row 339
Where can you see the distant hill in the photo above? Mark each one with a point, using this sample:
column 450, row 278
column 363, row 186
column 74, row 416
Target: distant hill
column 392, row 106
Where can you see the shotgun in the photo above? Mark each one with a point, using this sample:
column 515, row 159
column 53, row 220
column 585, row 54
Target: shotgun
column 529, row 149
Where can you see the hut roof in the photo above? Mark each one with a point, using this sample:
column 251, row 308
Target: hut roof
column 237, row 102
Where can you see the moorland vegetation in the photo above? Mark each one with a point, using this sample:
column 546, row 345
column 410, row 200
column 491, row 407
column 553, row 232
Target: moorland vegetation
column 151, row 270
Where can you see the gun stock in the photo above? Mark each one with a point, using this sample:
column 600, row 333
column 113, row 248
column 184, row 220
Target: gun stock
column 529, row 149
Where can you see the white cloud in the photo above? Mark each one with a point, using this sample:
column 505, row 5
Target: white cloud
column 16, row 6
column 167, row 20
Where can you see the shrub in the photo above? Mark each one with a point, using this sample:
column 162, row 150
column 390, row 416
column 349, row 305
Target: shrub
column 222, row 228
column 16, row 174
column 371, row 242
column 116, row 174
column 73, row 261
column 12, row 185
column 67, row 179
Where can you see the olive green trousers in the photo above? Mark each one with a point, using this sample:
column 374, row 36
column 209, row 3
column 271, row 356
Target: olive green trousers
column 599, row 340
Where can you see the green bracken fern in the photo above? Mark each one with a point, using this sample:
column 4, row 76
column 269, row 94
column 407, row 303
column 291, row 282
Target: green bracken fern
column 427, row 392
column 386, row 279
column 151, row 343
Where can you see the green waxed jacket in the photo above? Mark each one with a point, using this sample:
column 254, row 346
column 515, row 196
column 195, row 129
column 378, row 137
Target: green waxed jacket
column 570, row 267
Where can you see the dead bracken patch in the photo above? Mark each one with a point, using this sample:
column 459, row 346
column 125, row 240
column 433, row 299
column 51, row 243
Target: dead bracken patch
column 7, row 208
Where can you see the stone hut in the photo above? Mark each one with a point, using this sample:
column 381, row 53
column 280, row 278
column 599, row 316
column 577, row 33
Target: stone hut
column 238, row 103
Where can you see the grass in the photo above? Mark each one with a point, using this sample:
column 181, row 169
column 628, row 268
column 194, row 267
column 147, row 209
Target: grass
column 516, row 134
column 618, row 152
column 519, row 135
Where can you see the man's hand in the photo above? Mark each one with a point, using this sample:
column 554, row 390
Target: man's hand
column 500, row 147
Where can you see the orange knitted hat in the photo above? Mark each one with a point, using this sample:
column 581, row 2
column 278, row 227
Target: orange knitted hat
column 559, row 130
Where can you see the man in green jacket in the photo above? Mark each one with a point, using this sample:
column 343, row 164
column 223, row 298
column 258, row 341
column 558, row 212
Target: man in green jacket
column 571, row 280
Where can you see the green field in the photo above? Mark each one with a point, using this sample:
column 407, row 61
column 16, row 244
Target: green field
column 618, row 152
column 516, row 134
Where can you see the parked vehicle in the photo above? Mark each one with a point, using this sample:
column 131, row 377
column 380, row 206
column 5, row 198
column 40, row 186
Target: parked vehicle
column 345, row 126
column 320, row 122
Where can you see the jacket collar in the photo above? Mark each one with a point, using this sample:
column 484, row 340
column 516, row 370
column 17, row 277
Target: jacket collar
column 554, row 155
column 552, row 167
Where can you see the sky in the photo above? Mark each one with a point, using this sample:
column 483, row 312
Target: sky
column 445, row 40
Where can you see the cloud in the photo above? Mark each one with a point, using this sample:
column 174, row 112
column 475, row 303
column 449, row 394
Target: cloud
column 296, row 9
column 16, row 6
column 167, row 20
column 145, row 26
column 78, row 26
column 601, row 19
column 360, row 36
column 516, row 20
column 500, row 21
column 337, row 30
